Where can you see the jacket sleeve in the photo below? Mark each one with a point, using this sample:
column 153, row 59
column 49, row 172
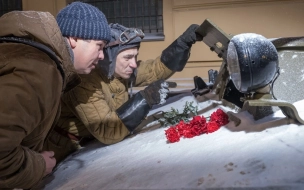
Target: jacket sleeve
column 150, row 71
column 90, row 105
column 24, row 92
column 24, row 170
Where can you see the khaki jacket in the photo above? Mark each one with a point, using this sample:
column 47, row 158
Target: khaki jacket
column 89, row 109
column 30, row 89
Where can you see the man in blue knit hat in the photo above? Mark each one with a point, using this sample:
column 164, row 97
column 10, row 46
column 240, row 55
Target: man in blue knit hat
column 86, row 30
column 38, row 64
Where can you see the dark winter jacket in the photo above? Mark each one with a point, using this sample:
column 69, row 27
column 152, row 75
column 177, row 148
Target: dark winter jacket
column 31, row 84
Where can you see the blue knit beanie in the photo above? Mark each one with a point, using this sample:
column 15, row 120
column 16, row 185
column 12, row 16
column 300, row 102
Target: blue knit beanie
column 83, row 21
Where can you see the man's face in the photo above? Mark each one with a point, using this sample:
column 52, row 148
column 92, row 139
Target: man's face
column 86, row 54
column 126, row 63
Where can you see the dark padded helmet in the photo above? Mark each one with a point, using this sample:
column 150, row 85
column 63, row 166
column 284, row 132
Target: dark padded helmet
column 121, row 38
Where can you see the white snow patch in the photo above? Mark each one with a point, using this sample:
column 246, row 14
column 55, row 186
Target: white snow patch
column 294, row 56
column 301, row 77
column 263, row 154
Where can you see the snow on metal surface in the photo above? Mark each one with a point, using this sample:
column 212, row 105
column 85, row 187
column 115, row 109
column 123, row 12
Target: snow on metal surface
column 256, row 154
column 290, row 83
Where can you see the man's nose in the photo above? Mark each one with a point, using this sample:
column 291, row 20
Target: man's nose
column 133, row 63
column 101, row 55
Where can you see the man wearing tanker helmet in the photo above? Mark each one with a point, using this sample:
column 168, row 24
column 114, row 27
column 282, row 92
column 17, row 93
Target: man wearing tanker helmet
column 100, row 106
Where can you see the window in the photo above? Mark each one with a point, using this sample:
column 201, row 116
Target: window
column 10, row 5
column 144, row 14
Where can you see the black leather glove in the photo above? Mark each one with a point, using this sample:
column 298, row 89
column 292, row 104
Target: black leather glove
column 189, row 36
column 156, row 92
column 136, row 109
column 177, row 54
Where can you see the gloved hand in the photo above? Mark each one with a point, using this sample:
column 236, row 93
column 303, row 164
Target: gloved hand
column 189, row 36
column 156, row 92
column 136, row 108
column 176, row 55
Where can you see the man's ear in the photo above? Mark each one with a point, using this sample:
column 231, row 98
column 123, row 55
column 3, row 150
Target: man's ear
column 72, row 41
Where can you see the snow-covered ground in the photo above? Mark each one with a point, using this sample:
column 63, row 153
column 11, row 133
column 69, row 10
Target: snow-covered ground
column 264, row 154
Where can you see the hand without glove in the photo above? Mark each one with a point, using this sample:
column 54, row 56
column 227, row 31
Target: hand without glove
column 189, row 36
column 156, row 92
column 50, row 161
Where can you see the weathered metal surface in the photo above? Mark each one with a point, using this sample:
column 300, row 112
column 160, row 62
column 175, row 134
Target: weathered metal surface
column 214, row 37
column 287, row 108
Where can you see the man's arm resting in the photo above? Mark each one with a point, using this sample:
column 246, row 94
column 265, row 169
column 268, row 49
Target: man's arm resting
column 21, row 168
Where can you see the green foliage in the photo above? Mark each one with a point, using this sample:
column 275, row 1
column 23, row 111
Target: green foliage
column 173, row 117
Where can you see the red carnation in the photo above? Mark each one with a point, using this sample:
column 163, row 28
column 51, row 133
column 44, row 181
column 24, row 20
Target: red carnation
column 188, row 132
column 198, row 124
column 180, row 127
column 203, row 128
column 212, row 126
column 196, row 129
column 172, row 135
column 220, row 117
column 196, row 120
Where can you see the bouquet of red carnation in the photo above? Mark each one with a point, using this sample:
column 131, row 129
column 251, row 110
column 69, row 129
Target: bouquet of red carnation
column 197, row 126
